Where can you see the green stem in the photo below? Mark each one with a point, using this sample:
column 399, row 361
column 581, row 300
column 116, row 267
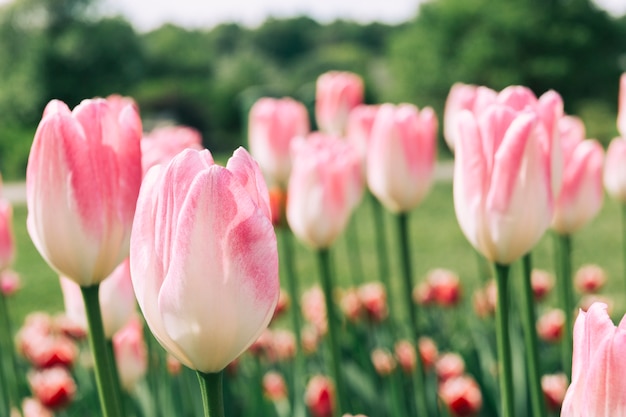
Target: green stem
column 505, row 368
column 294, row 293
column 12, row 374
column 354, row 253
column 530, row 339
column 407, row 274
column 110, row 403
column 566, row 296
column 382, row 254
column 212, row 395
column 333, row 335
column 4, row 384
column 115, row 375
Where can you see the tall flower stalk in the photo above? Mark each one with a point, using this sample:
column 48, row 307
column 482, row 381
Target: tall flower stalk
column 563, row 251
column 505, row 364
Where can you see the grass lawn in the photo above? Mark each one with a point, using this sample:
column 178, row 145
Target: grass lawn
column 436, row 240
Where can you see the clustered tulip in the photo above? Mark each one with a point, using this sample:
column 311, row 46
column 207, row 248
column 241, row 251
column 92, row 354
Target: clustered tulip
column 336, row 94
column 163, row 143
column 203, row 257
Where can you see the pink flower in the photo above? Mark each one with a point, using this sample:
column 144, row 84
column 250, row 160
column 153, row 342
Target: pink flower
column 203, row 258
column 582, row 193
column 10, row 282
column 350, row 304
column 445, row 287
column 319, row 396
column 502, row 182
column 274, row 386
column 373, row 299
column 554, row 387
column 598, row 367
column 461, row 395
column 272, row 126
column 7, row 241
column 131, row 354
column 406, row 355
column 336, row 94
column 117, row 300
column 590, row 278
column 359, row 130
column 615, row 168
column 621, row 107
column 43, row 345
column 428, row 351
column 449, row 365
column 82, row 182
column 550, row 325
column 401, row 155
column 313, row 305
column 34, row 408
column 463, row 97
column 324, row 188
column 283, row 344
column 53, row 387
column 383, row 361
column 541, row 282
column 163, row 143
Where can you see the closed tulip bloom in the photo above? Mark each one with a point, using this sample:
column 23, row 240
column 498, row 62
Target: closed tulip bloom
column 319, row 396
column 598, row 367
column 53, row 387
column 131, row 354
column 359, row 130
column 10, row 282
column 272, row 125
column 325, row 187
column 462, row 396
column 401, row 156
column 7, row 241
column 582, row 193
column 621, row 110
column 82, row 182
column 336, row 94
column 502, row 189
column 463, row 97
column 117, row 300
column 203, row 257
column 163, row 143
column 615, row 170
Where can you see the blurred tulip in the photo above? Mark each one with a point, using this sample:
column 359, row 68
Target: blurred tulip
column 283, row 344
column 406, row 355
column 7, row 240
column 324, row 188
column 282, row 305
column 401, row 156
column 590, row 278
column 445, row 287
column 449, row 365
column 554, row 387
column 173, row 365
column 463, row 97
column 428, row 351
column 163, row 143
column 274, row 386
column 462, row 396
column 203, row 257
column 313, row 307
column 550, row 325
column 587, row 300
column 42, row 344
column 82, row 182
column 53, row 387
column 598, row 367
column 10, row 282
column 272, row 126
column 320, row 396
column 351, row 305
column 373, row 299
column 69, row 327
column 502, row 189
column 485, row 299
column 615, row 169
column 278, row 201
column 621, row 110
column 117, row 300
column 34, row 408
column 310, row 339
column 263, row 344
column 336, row 94
column 582, row 193
column 541, row 282
column 131, row 353
column 359, row 131
column 383, row 361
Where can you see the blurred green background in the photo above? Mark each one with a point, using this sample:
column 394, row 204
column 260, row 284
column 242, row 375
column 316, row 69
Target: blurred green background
column 209, row 78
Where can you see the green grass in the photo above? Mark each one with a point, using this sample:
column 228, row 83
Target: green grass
column 436, row 241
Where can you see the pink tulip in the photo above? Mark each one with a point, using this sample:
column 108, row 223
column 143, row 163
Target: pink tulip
column 621, row 110
column 554, row 387
column 541, row 282
column 272, row 125
column 163, row 143
column 383, row 361
column 337, row 93
column 131, row 353
column 502, row 182
column 463, row 97
column 449, row 365
column 615, row 169
column 274, row 386
column 428, row 351
column 34, row 408
column 550, row 325
column 462, row 396
column 359, row 129
column 53, row 387
column 582, row 193
column 401, row 156
column 82, row 182
column 203, row 257
column 320, row 396
column 598, row 367
column 324, row 189
column 590, row 278
column 406, row 355
column 117, row 300
column 7, row 241
column 10, row 282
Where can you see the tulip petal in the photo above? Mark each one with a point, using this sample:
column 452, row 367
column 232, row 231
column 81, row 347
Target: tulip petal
column 247, row 171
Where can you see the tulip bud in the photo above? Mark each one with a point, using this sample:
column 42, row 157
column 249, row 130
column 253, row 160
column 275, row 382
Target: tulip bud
column 461, row 395
column 428, row 351
column 554, row 387
column 131, row 353
column 383, row 361
column 336, row 94
column 320, row 396
column 615, row 168
column 406, row 355
column 163, row 143
column 541, row 282
column 274, row 386
column 10, row 282
column 373, row 299
column 590, row 278
column 550, row 325
column 449, row 365
column 53, row 387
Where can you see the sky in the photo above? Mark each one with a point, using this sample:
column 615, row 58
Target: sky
column 150, row 14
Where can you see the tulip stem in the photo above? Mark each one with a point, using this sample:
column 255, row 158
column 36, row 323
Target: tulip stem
column 411, row 310
column 333, row 335
column 566, row 295
column 381, row 242
column 294, row 293
column 530, row 338
column 505, row 366
column 110, row 403
column 354, row 253
column 4, row 337
column 211, row 388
